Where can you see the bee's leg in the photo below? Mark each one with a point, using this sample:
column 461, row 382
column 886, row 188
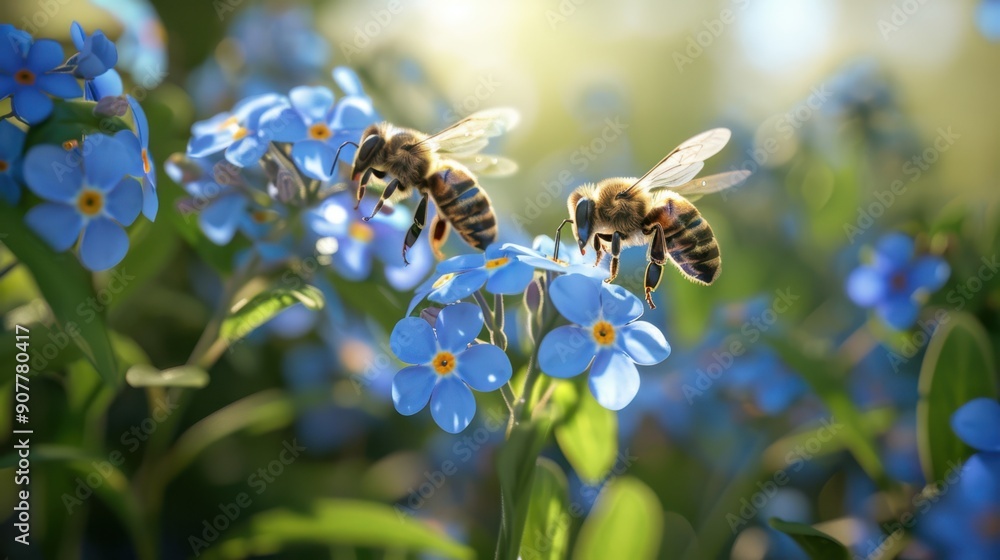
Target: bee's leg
column 418, row 225
column 616, row 251
column 390, row 189
column 439, row 234
column 361, row 187
column 657, row 256
column 599, row 249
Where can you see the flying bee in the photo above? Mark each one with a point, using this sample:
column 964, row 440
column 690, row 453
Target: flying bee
column 442, row 167
column 656, row 209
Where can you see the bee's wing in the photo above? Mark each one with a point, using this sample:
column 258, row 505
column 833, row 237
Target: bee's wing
column 471, row 134
column 693, row 190
column 685, row 161
column 282, row 172
column 487, row 165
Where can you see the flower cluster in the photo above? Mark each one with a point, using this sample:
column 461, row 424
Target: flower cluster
column 91, row 185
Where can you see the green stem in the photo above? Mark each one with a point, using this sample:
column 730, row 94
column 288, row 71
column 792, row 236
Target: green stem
column 498, row 322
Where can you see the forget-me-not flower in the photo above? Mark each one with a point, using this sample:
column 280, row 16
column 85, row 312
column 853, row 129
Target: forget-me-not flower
column 28, row 77
column 447, row 365
column 238, row 132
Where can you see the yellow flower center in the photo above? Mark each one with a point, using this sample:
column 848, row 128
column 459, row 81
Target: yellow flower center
column 240, row 133
column 231, row 121
column 145, row 161
column 360, row 232
column 24, row 77
column 443, row 280
column 496, row 263
column 70, row 145
column 444, row 363
column 90, row 202
column 260, row 216
column 320, row 131
column 4, row 166
column 604, row 333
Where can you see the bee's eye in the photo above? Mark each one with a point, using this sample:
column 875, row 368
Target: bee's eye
column 369, row 146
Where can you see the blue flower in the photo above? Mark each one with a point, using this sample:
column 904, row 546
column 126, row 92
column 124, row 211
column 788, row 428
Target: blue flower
column 97, row 53
column 11, row 144
column 446, row 366
column 85, row 190
column 606, row 337
column 964, row 523
column 20, row 40
column 221, row 208
column 238, row 133
column 460, row 276
column 896, row 280
column 354, row 245
column 540, row 257
column 318, row 126
column 28, row 76
column 139, row 142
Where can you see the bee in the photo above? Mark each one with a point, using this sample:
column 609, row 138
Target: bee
column 657, row 210
column 441, row 167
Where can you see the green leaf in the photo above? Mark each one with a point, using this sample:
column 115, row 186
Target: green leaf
column 249, row 314
column 957, row 367
column 516, row 470
column 817, row 544
column 546, row 531
column 72, row 120
column 825, row 375
column 183, row 376
column 626, row 522
column 67, row 288
column 588, row 432
column 335, row 523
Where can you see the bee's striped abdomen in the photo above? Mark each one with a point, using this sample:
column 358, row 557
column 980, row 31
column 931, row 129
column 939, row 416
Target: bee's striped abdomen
column 689, row 239
column 465, row 205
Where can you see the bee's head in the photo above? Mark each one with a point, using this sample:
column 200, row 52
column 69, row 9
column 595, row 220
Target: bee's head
column 583, row 222
column 369, row 150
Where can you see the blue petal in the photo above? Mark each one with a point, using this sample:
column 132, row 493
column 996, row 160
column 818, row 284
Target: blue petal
column 353, row 259
column 460, row 263
column 348, row 81
column 108, row 83
column 11, row 141
column 220, row 218
column 48, row 173
column 642, row 342
column 566, row 351
column 246, row 151
column 58, row 224
column 60, row 85
column 97, row 56
column 77, row 35
column 577, row 298
column 510, row 279
column 618, row 305
column 130, row 158
column 352, row 113
column 283, row 124
column 312, row 102
column 484, row 367
column 614, row 380
column 929, row 273
column 452, row 404
column 458, row 325
column 893, row 251
column 150, row 201
column 125, row 201
column 899, row 312
column 104, row 244
column 10, row 191
column 45, row 54
column 12, row 49
column 459, row 287
column 314, row 158
column 31, row 105
column 411, row 389
column 141, row 122
column 102, row 160
column 412, row 341
column 7, row 85
column 866, row 286
column 977, row 423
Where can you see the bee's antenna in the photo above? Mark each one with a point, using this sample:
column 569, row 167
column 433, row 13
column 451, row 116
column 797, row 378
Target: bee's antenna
column 555, row 252
column 336, row 158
